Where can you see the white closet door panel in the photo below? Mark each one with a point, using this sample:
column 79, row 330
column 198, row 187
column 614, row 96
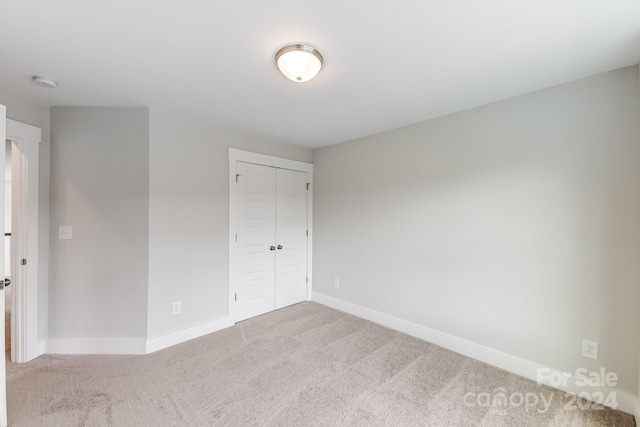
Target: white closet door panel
column 256, row 234
column 291, row 235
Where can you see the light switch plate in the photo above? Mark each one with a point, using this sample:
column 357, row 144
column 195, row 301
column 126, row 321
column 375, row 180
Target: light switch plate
column 65, row 232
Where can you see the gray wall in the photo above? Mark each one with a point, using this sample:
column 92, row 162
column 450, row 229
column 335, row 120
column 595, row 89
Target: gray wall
column 100, row 187
column 513, row 225
column 147, row 197
column 189, row 216
column 25, row 111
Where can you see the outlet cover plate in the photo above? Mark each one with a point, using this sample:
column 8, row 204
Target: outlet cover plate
column 177, row 307
column 590, row 349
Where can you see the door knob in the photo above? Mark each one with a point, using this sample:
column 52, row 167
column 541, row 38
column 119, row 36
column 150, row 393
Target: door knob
column 272, row 248
column 279, row 246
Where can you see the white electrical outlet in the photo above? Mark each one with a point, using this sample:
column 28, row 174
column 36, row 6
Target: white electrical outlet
column 177, row 307
column 590, row 349
column 336, row 283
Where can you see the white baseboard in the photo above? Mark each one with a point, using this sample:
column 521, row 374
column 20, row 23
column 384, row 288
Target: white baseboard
column 96, row 346
column 177, row 337
column 132, row 346
column 626, row 401
column 41, row 348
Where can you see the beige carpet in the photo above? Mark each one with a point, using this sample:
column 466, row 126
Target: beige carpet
column 306, row 365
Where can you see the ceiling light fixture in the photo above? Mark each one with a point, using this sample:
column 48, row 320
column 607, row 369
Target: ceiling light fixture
column 44, row 82
column 299, row 62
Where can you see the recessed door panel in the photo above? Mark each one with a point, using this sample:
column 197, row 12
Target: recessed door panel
column 256, row 236
column 291, row 235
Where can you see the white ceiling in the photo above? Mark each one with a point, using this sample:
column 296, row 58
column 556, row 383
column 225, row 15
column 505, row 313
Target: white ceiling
column 387, row 63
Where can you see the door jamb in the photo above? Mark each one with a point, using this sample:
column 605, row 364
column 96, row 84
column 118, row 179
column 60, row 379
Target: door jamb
column 235, row 156
column 25, row 293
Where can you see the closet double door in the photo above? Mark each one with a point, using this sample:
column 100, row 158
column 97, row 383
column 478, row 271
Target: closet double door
column 271, row 240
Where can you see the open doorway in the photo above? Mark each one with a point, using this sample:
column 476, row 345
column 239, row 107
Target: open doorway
column 22, row 298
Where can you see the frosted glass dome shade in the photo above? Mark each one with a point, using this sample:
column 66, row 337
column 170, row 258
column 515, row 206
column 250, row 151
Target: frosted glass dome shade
column 298, row 62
